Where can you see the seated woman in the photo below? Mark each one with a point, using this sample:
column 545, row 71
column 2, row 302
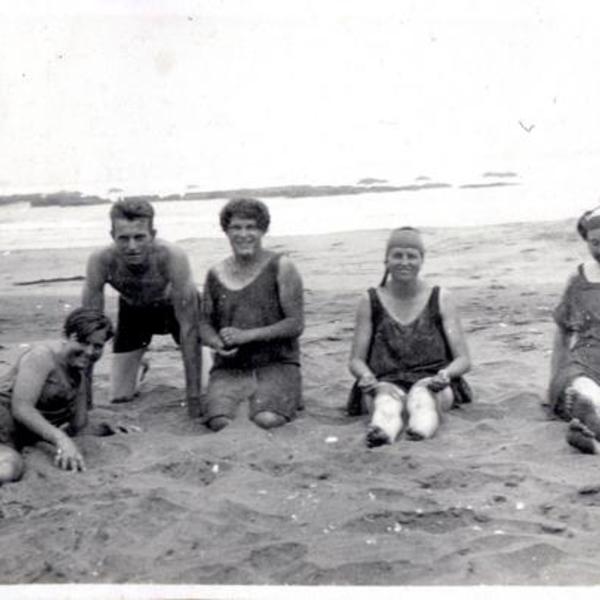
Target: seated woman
column 252, row 317
column 44, row 396
column 575, row 368
column 409, row 351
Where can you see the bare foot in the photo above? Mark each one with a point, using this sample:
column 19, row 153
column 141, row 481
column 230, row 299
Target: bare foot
column 414, row 436
column 584, row 411
column 582, row 438
column 377, row 437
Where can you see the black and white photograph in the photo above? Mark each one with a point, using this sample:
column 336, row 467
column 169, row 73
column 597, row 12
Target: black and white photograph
column 299, row 298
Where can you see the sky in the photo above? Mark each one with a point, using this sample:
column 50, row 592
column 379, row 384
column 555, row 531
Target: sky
column 163, row 96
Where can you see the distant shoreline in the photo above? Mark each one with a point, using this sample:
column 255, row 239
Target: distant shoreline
column 364, row 186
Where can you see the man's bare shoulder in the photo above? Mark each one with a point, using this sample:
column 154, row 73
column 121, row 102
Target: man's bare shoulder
column 101, row 258
column 168, row 251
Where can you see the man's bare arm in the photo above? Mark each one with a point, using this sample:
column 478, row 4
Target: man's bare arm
column 92, row 296
column 93, row 290
column 184, row 296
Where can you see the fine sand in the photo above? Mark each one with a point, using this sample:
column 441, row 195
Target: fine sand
column 497, row 497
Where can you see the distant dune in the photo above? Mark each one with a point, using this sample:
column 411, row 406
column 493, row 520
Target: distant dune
column 54, row 199
column 467, row 186
column 499, row 174
column 367, row 185
column 371, row 181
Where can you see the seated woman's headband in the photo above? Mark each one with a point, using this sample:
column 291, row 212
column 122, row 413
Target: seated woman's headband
column 588, row 221
column 405, row 237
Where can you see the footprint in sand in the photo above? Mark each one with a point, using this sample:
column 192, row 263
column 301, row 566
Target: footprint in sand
column 358, row 573
column 434, row 521
column 104, row 451
column 192, row 470
column 216, row 574
column 236, row 512
column 457, row 478
column 274, row 468
column 276, row 556
column 14, row 510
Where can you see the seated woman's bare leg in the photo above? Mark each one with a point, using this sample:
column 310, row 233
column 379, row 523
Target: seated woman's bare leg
column 11, row 464
column 386, row 419
column 424, row 410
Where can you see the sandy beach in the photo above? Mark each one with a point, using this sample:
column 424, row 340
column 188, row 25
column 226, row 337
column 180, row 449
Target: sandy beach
column 497, row 497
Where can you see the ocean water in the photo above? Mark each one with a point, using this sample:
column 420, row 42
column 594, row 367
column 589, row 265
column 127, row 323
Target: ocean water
column 23, row 227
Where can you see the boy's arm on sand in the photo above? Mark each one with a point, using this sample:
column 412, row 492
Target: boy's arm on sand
column 184, row 296
column 92, row 295
column 29, row 383
column 82, row 403
column 363, row 331
column 461, row 362
column 291, row 298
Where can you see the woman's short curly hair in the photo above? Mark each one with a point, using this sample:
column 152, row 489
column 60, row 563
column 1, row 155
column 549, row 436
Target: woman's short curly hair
column 590, row 219
column 84, row 322
column 245, row 208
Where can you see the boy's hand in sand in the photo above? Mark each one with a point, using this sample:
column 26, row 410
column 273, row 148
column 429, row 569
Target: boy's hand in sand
column 68, row 457
column 438, row 382
column 367, row 383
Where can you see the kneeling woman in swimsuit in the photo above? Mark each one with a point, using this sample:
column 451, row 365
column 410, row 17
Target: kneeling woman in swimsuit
column 575, row 379
column 44, row 396
column 409, row 351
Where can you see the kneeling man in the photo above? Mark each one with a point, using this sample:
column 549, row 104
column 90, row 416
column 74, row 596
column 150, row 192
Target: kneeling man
column 157, row 295
column 252, row 316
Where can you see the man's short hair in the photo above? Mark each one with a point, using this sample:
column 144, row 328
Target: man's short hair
column 84, row 322
column 245, row 208
column 131, row 209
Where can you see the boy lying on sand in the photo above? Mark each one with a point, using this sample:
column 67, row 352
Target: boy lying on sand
column 409, row 352
column 44, row 396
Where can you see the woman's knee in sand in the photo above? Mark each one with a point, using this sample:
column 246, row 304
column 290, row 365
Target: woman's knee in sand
column 387, row 414
column 586, row 388
column 423, row 412
column 217, row 423
column 269, row 420
column 11, row 465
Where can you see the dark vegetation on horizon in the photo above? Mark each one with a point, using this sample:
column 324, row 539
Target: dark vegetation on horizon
column 286, row 191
